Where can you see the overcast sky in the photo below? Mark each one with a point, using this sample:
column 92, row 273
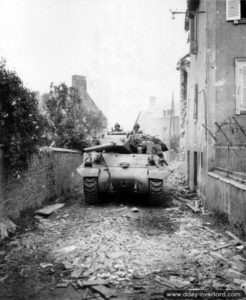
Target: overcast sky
column 127, row 49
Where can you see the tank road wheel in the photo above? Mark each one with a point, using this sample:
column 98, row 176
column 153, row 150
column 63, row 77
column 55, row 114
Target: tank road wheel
column 90, row 190
column 156, row 194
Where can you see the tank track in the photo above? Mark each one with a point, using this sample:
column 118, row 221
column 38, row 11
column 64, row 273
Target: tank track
column 156, row 194
column 90, row 190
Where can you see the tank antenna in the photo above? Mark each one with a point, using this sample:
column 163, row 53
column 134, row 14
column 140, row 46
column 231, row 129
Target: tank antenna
column 137, row 119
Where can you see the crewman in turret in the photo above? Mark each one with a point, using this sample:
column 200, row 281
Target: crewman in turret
column 136, row 130
column 117, row 127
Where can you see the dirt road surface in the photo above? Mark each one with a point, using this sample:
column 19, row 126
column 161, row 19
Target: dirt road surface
column 121, row 250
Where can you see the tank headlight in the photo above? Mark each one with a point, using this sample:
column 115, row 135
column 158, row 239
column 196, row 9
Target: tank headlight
column 124, row 165
column 88, row 164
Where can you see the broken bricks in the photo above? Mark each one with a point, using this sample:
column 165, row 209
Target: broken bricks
column 48, row 210
column 88, row 283
column 76, row 273
column 97, row 286
column 45, row 265
column 6, row 227
column 104, row 291
column 67, row 265
column 62, row 284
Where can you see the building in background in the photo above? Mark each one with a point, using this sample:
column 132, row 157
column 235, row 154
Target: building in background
column 159, row 122
column 79, row 82
column 213, row 95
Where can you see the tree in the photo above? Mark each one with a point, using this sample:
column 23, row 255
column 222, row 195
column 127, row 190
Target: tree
column 71, row 125
column 20, row 121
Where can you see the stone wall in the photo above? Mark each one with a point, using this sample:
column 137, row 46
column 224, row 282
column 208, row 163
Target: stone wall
column 228, row 196
column 50, row 174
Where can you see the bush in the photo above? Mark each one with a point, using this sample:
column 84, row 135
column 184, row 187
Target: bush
column 20, row 122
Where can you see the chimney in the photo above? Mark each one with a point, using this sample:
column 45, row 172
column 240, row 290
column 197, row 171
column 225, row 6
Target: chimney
column 152, row 101
column 79, row 82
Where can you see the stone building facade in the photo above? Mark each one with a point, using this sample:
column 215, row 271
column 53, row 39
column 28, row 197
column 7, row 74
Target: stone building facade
column 79, row 82
column 215, row 113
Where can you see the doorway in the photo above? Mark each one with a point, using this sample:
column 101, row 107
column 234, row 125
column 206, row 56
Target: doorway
column 188, row 167
column 195, row 170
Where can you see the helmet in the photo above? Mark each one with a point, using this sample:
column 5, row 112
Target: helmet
column 136, row 126
column 117, row 125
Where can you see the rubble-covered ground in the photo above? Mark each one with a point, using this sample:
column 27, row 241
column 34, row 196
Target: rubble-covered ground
column 122, row 250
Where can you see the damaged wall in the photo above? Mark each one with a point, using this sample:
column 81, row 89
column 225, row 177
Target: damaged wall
column 50, row 174
column 220, row 159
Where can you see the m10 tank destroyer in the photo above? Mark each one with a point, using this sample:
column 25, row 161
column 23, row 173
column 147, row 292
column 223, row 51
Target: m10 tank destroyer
column 123, row 163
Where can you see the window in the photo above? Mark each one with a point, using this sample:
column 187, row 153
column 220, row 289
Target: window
column 235, row 10
column 201, row 159
column 195, row 102
column 240, row 84
column 243, row 9
column 193, row 34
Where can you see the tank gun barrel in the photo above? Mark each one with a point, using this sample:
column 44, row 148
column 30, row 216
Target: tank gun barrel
column 99, row 147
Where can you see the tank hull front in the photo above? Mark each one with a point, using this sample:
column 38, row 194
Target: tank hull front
column 123, row 180
column 127, row 173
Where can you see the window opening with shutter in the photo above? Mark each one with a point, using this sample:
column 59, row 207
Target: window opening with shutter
column 243, row 9
column 195, row 102
column 243, row 84
column 235, row 10
column 193, row 34
column 240, row 86
column 201, row 159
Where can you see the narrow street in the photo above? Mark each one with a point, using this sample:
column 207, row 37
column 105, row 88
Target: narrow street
column 123, row 150
column 120, row 250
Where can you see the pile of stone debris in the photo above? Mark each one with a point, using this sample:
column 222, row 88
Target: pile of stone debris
column 143, row 252
column 179, row 192
column 126, row 252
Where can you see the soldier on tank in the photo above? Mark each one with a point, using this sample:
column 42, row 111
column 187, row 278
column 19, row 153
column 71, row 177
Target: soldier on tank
column 117, row 127
column 153, row 145
column 136, row 130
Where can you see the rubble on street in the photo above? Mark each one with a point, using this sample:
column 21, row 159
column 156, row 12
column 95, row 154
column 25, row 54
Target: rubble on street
column 48, row 210
column 123, row 251
column 6, row 227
